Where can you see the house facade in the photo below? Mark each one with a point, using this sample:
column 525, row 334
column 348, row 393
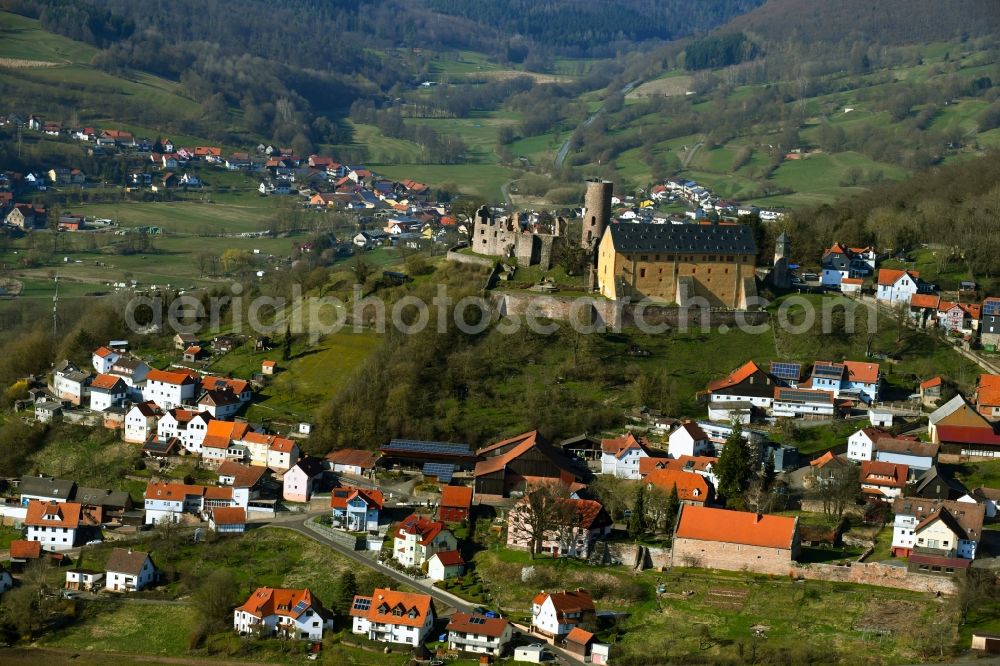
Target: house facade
column 53, row 524
column 735, row 540
column 128, row 571
column 688, row 439
column 620, row 457
column 390, row 616
column 299, row 482
column 469, row 632
column 581, row 524
column 170, row 501
column 417, row 538
column 555, row 614
column 290, row 613
column 896, row 286
column 356, row 509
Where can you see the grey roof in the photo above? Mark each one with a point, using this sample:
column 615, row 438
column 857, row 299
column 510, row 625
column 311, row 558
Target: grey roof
column 45, row 486
column 947, row 408
column 700, row 238
column 101, row 497
column 128, row 363
column 311, row 466
column 76, row 376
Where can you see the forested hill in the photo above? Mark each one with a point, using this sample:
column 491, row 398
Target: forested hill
column 882, row 22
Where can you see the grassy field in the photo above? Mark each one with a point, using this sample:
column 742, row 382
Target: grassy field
column 22, row 38
column 935, row 266
column 483, row 180
column 151, row 628
column 192, row 217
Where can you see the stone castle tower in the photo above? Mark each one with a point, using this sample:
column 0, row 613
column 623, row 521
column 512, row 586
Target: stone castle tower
column 596, row 213
column 779, row 272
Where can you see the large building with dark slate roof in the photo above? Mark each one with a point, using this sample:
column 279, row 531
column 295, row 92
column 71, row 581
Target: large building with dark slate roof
column 685, row 264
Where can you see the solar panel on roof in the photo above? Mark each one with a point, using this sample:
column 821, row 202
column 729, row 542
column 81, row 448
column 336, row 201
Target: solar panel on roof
column 362, row 604
column 477, row 620
column 299, row 607
column 786, row 370
column 991, row 308
column 833, row 371
column 803, row 396
column 439, row 448
column 443, row 471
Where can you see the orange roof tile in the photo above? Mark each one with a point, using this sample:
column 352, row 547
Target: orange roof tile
column 220, row 434
column 579, row 636
column 619, row 446
column 735, row 377
column 53, row 514
column 751, row 529
column 931, row 383
column 106, row 382
column 570, row 601
column 989, row 390
column 169, row 377
column 175, row 492
column 929, row 301
column 414, row 607
column 456, row 497
column 878, row 473
column 339, row 497
column 267, row 601
column 493, row 627
column 229, row 515
column 354, row 458
column 424, row 528
column 888, row 276
column 103, row 352
column 23, row 549
column 691, row 487
column 861, row 371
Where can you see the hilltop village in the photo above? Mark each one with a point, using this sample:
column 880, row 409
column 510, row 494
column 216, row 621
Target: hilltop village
column 524, row 546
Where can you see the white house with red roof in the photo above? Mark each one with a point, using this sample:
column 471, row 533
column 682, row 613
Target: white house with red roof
column 107, row 391
column 417, row 538
column 896, row 286
column 445, row 564
column 169, row 389
column 479, row 634
column 53, row 524
column 688, row 439
column 104, row 359
column 128, row 570
column 169, row 501
column 140, row 422
column 555, row 614
column 292, row 613
column 620, row 456
column 883, row 480
column 861, row 445
column 390, row 616
column 356, row 509
column 188, row 426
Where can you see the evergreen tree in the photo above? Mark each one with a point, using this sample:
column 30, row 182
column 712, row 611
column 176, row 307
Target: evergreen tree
column 673, row 506
column 768, row 475
column 735, row 468
column 347, row 587
column 286, row 348
column 637, row 521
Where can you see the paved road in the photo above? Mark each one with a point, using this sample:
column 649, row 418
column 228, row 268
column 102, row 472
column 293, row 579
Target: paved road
column 564, row 149
column 421, row 584
column 690, row 155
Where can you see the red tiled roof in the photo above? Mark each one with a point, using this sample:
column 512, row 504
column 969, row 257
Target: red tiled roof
column 53, row 514
column 886, row 474
column 169, row 377
column 456, row 497
column 571, row 601
column 106, row 382
column 619, row 446
column 826, row 459
column 931, row 383
column 229, row 515
column 889, row 276
column 579, row 636
column 219, row 493
column 244, row 476
column 267, row 601
column 691, row 487
column 424, row 528
column 339, row 497
column 385, row 600
column 855, row 281
column 988, row 392
column 862, row 371
column 172, row 491
column 23, row 549
column 735, row 377
column 929, row 301
column 485, row 626
column 967, row 435
column 220, row 434
column 103, row 352
column 751, row 529
column 449, row 558
column 354, row 458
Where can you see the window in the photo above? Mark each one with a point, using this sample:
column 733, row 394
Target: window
column 642, row 272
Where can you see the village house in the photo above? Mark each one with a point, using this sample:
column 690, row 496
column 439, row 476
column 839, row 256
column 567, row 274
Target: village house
column 357, row 462
column 805, row 403
column 103, row 359
column 703, row 466
column 861, row 444
column 223, row 442
column 169, row 389
column 883, row 480
column 238, row 387
column 959, row 318
column 923, row 525
column 55, row 525
column 84, row 580
column 221, row 405
column 746, row 387
column 692, row 488
column 988, row 396
column 107, row 392
column 356, row 509
column 170, row 501
column 128, row 571
column 988, row 498
column 133, row 372
column 918, row 457
column 71, row 384
column 455, row 504
column 960, row 429
column 688, row 439
column 23, row 553
column 45, row 489
column 228, row 519
column 188, row 426
column 444, row 565
column 417, row 538
column 290, row 613
column 141, row 422
column 26, row 217
column 620, row 456
column 840, row 262
column 930, row 391
column 390, row 616
column 735, row 540
column 989, row 324
column 578, row 524
column 468, row 632
column 103, row 506
column 555, row 614
column 299, row 482
column 896, row 286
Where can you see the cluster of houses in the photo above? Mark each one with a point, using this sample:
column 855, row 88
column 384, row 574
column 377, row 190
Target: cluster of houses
column 703, row 202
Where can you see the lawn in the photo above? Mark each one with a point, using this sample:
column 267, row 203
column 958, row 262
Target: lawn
column 8, row 534
column 974, row 475
column 483, row 180
column 935, row 266
column 191, row 217
column 122, row 626
column 23, row 38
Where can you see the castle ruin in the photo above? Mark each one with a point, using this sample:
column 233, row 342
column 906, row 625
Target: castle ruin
column 531, row 243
